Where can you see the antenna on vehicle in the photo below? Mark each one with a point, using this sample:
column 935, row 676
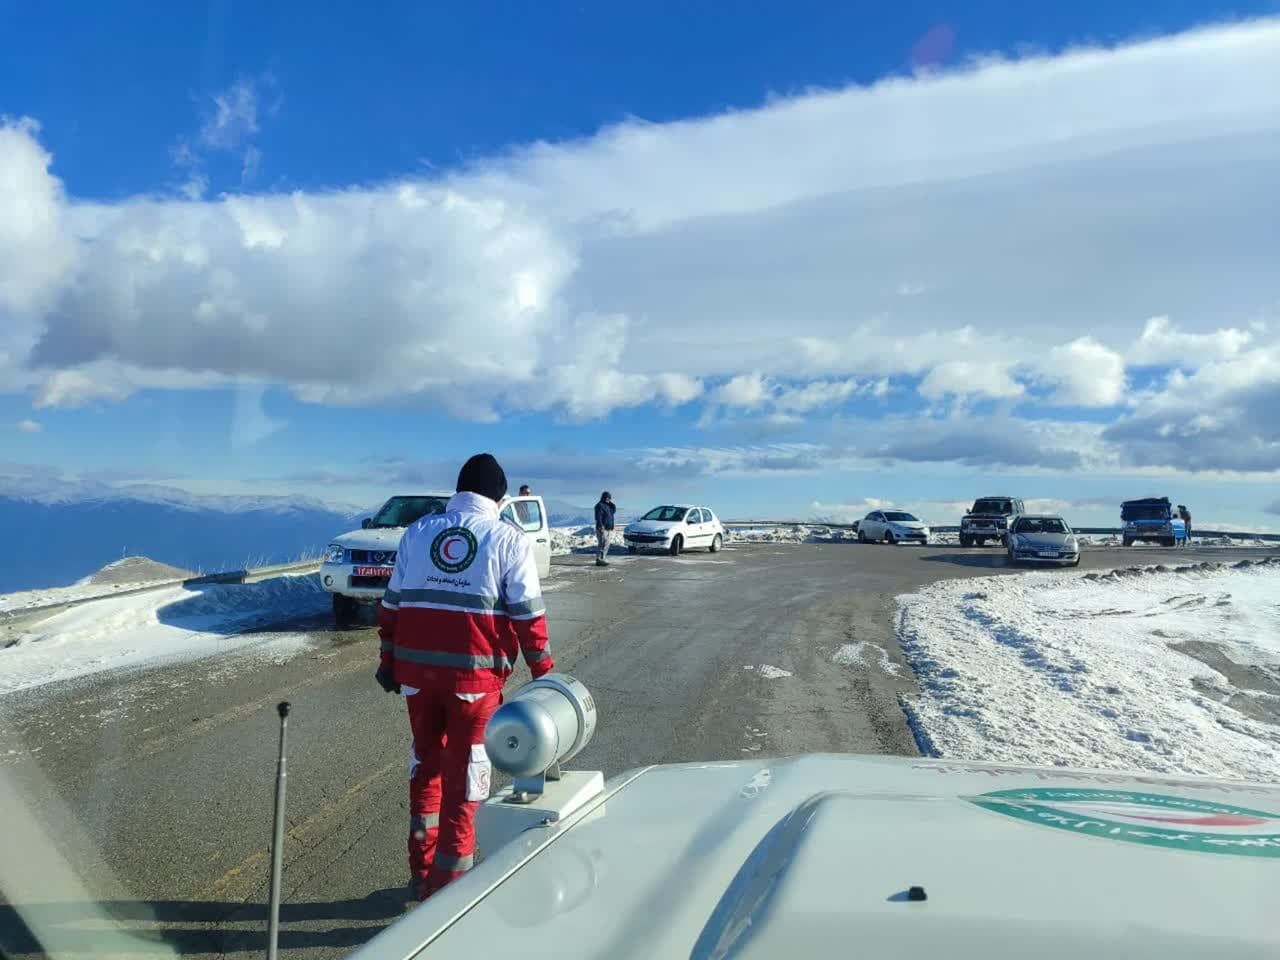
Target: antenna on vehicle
column 277, row 839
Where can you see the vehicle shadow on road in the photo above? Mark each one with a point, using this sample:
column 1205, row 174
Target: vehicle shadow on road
column 70, row 928
column 986, row 561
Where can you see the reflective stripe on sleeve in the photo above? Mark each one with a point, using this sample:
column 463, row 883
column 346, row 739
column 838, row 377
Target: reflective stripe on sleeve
column 537, row 656
column 454, row 864
column 424, row 821
column 390, row 598
column 459, row 661
column 525, row 609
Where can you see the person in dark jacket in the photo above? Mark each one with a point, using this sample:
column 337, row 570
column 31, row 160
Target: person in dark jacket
column 1185, row 514
column 605, row 510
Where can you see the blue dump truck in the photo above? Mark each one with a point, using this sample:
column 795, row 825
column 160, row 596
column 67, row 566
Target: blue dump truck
column 1152, row 520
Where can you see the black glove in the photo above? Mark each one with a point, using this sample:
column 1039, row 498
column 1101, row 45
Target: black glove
column 386, row 681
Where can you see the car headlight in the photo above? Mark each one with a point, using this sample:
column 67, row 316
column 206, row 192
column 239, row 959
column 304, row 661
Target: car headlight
column 334, row 553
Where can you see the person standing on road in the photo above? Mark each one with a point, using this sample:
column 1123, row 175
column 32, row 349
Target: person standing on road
column 605, row 510
column 463, row 601
column 1185, row 514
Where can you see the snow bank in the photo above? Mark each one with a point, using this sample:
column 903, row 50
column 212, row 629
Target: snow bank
column 30, row 600
column 1102, row 669
column 816, row 533
column 767, row 670
column 791, row 533
column 579, row 539
column 165, row 625
column 135, row 570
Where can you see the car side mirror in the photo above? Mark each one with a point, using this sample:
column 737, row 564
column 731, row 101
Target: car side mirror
column 366, row 523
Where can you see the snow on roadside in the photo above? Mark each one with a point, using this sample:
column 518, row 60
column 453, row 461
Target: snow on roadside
column 31, row 600
column 1082, row 670
column 165, row 625
column 580, row 539
column 767, row 670
column 864, row 653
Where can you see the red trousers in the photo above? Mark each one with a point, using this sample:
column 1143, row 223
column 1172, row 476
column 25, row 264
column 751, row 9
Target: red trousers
column 448, row 780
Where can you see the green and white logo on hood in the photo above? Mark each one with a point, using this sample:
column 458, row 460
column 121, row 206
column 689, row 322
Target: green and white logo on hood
column 1154, row 819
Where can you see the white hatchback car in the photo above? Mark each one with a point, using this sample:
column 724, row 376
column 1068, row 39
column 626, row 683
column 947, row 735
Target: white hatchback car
column 357, row 565
column 675, row 527
column 892, row 526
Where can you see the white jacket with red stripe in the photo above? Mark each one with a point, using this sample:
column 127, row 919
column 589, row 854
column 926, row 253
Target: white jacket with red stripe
column 464, row 600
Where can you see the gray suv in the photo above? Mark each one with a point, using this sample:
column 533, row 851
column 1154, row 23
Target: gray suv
column 989, row 520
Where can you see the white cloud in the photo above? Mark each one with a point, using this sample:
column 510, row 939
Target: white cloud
column 748, row 391
column 36, row 249
column 76, row 388
column 971, row 378
column 1221, row 417
column 231, row 121
column 847, row 512
column 729, row 256
column 815, row 395
column 1162, row 342
column 110, row 381
column 29, row 426
column 250, row 422
column 778, row 404
column 584, row 379
column 250, row 164
column 234, row 117
column 1086, row 374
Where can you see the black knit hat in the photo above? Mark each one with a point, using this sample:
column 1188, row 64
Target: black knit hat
column 483, row 474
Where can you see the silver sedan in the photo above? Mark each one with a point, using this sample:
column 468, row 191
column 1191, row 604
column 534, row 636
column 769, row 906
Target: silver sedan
column 1043, row 539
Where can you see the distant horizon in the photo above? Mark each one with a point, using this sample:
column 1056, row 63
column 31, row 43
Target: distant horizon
column 1099, row 515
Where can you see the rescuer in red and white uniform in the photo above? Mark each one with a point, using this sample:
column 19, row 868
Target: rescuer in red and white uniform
column 464, row 600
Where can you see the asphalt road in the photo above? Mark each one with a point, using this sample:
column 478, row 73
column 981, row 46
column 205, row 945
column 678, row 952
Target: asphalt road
column 157, row 786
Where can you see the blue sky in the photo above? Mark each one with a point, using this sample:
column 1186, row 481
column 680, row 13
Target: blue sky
column 790, row 259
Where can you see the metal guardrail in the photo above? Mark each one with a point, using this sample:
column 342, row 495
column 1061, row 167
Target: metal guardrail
column 252, row 574
column 225, row 576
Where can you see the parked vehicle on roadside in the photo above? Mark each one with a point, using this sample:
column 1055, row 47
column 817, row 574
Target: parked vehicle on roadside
column 1042, row 539
column 892, row 526
column 675, row 528
column 357, row 565
column 989, row 519
column 1151, row 520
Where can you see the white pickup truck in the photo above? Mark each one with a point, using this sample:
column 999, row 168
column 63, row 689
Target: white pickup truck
column 357, row 565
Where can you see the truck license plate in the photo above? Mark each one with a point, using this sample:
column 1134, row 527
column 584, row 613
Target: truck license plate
column 372, row 572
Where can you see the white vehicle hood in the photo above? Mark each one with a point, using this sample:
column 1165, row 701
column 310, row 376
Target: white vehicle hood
column 814, row 856
column 379, row 538
column 652, row 526
column 907, row 524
